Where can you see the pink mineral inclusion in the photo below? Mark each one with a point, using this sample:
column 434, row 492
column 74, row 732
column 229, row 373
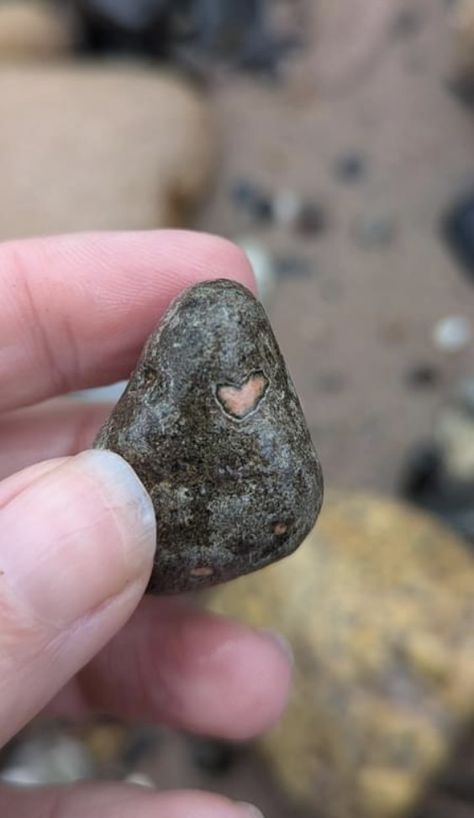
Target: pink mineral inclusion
column 240, row 401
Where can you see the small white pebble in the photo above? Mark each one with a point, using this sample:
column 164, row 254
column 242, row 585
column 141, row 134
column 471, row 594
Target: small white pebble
column 20, row 777
column 262, row 265
column 452, row 333
column 250, row 810
column 287, row 207
column 140, row 779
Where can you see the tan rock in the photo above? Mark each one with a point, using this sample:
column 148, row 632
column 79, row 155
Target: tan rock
column 91, row 148
column 106, row 742
column 454, row 433
column 463, row 25
column 379, row 606
column 31, row 31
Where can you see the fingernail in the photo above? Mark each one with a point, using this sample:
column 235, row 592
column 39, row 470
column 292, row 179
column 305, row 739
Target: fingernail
column 126, row 494
column 282, row 642
column 77, row 537
column 250, row 810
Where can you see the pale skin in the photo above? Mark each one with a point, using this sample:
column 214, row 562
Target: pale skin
column 77, row 531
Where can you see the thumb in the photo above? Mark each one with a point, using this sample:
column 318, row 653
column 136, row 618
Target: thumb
column 77, row 538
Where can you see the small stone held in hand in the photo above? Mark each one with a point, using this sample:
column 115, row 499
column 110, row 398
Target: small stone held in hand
column 212, row 425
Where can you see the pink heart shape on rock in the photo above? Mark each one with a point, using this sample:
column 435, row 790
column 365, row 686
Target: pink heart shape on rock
column 241, row 401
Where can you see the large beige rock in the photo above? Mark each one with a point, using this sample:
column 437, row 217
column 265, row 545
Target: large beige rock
column 99, row 148
column 379, row 606
column 31, row 31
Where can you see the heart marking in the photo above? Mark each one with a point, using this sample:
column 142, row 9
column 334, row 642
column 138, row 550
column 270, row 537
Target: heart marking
column 241, row 401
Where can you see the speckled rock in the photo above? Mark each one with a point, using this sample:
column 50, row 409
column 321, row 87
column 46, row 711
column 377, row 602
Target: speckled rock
column 212, row 425
column 100, row 147
column 31, row 31
column 378, row 604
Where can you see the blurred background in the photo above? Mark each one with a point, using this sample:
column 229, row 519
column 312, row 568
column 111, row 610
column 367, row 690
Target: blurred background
column 333, row 140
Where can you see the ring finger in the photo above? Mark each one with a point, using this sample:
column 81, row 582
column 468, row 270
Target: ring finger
column 56, row 428
column 110, row 801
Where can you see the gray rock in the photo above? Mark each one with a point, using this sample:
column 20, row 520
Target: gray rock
column 452, row 333
column 262, row 264
column 351, row 167
column 48, row 757
column 465, row 395
column 211, row 423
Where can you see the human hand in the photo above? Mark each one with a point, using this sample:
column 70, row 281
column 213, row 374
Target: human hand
column 77, row 531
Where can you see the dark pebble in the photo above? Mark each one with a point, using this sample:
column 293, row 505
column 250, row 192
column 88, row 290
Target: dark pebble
column 293, row 267
column 121, row 26
column 189, row 32
column 422, row 473
column 426, row 482
column 407, row 23
column 458, row 230
column 423, row 375
column 128, row 15
column 252, row 200
column 352, row 167
column 465, row 395
column 211, row 756
column 143, row 742
column 311, row 220
column 462, row 88
column 211, row 423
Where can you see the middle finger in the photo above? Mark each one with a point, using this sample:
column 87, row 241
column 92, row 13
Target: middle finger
column 189, row 669
column 56, row 428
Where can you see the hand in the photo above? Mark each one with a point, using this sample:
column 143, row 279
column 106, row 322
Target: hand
column 77, row 531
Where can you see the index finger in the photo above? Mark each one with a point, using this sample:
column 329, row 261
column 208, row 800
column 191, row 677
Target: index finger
column 75, row 310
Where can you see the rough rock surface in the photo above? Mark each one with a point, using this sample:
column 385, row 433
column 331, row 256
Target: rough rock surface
column 86, row 147
column 378, row 604
column 31, row 31
column 212, row 425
